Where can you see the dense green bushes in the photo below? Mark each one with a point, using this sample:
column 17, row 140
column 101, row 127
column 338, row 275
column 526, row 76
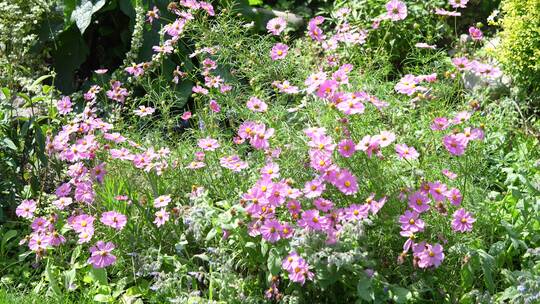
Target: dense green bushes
column 519, row 51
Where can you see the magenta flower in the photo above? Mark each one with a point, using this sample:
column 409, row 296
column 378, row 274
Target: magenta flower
column 312, row 220
column 153, row 14
column 300, row 272
column 438, row 191
column 144, row 111
column 449, row 174
column 64, row 105
column 162, row 216
column 405, row 152
column 276, row 25
column 279, row 51
column 455, row 143
column 256, row 105
column 214, row 106
column 327, row 89
column 270, row 170
column 385, row 138
column 208, row 144
column 82, row 223
column 350, row 107
column 396, row 10
column 454, row 196
column 117, row 93
column 461, row 63
column 347, row 183
column 462, row 221
column 271, row 230
column 432, row 255
column 39, row 242
column 114, row 219
column 410, row 221
column 162, row 201
column 186, row 115
column 84, row 192
column 475, row 33
column 346, row 148
column 135, row 69
column 440, row 123
column 26, row 209
column 314, row 188
column 458, row 3
column 101, row 255
column 40, row 224
column 357, row 212
column 62, row 202
column 418, row 202
column 323, row 204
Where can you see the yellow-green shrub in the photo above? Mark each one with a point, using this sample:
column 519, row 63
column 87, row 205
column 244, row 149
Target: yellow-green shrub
column 519, row 52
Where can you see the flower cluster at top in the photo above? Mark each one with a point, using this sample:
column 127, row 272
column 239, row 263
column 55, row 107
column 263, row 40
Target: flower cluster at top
column 278, row 208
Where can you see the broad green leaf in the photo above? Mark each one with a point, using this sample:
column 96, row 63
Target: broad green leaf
column 51, row 277
column 103, row 298
column 99, row 275
column 486, row 261
column 274, row 262
column 82, row 15
column 400, row 294
column 9, row 143
column 6, row 237
column 69, row 279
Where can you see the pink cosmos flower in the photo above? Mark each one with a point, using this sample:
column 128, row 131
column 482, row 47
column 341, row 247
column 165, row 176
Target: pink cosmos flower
column 440, row 123
column 209, row 8
column 270, row 170
column 432, row 255
column 455, row 143
column 256, row 105
column 153, row 14
column 208, row 144
column 410, row 221
column 327, row 89
column 475, row 33
column 323, row 205
column 351, row 107
column 101, row 256
column 461, row 63
column 64, row 105
column 438, row 191
column 314, row 80
column 40, row 224
column 117, row 93
column 62, row 202
column 101, row 71
column 405, row 152
column 276, row 25
column 408, row 85
column 271, row 230
column 84, row 192
column 312, row 220
column 396, row 10
column 375, row 206
column 346, row 148
column 285, row 87
column 233, row 163
column 314, row 188
column 162, row 216
column 300, row 272
column 135, row 69
column 458, row 3
column 114, row 219
column 418, row 202
column 385, row 138
column 454, row 196
column 443, row 12
column 423, row 45
column 462, row 221
column 279, row 51
column 357, row 212
column 162, row 201
column 449, row 174
column 82, row 223
column 214, row 106
column 144, row 111
column 39, row 242
column 346, row 182
column 98, row 172
column 186, row 115
column 26, row 209
column 63, row 190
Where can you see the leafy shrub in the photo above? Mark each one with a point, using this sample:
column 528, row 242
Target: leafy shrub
column 519, row 50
